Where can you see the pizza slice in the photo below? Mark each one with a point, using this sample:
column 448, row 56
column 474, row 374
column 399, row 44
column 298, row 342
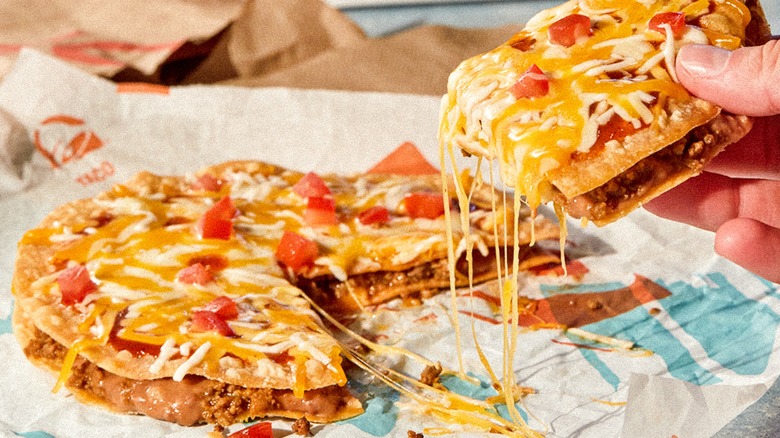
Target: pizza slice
column 182, row 297
column 583, row 108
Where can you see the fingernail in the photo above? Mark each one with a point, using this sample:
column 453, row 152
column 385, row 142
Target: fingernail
column 702, row 61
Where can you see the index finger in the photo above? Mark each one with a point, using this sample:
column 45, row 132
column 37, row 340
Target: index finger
column 757, row 155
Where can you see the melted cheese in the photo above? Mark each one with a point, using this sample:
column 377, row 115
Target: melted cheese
column 136, row 256
column 531, row 136
column 623, row 70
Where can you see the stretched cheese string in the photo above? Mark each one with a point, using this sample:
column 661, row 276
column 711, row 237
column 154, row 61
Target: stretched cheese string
column 464, row 200
column 509, row 299
column 451, row 256
column 446, row 405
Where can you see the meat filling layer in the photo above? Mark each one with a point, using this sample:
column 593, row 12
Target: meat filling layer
column 372, row 288
column 193, row 400
column 690, row 152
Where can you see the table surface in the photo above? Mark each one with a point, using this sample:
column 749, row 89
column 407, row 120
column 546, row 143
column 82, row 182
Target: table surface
column 383, row 17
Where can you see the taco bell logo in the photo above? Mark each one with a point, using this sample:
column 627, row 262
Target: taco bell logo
column 62, row 138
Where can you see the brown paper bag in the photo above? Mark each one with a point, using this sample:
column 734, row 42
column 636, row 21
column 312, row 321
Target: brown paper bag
column 294, row 43
column 270, row 35
column 417, row 61
column 114, row 37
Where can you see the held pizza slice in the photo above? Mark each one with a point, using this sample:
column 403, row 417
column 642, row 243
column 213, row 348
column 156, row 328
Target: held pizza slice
column 181, row 298
column 583, row 108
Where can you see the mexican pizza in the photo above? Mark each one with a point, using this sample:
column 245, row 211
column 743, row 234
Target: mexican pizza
column 182, row 297
column 583, row 107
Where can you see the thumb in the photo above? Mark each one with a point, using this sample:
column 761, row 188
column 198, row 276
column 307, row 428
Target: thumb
column 744, row 81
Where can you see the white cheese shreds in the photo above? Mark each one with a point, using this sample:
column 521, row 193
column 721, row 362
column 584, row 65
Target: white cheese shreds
column 668, row 50
column 167, row 351
column 403, row 257
column 97, row 329
column 192, row 361
column 185, row 349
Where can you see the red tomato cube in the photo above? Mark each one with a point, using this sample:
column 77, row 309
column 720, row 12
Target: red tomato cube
column 424, row 205
column 217, row 222
column 296, row 251
column 258, row 430
column 568, row 30
column 208, row 182
column 207, row 321
column 320, row 211
column 374, row 215
column 195, row 274
column 675, row 20
column 75, row 284
column 311, row 185
column 223, row 306
column 532, row 83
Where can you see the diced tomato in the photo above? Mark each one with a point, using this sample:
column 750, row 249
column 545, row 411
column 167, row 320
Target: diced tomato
column 374, row 215
column 296, row 251
column 208, row 182
column 258, row 430
column 570, row 29
column 320, row 211
column 311, row 185
column 75, row 284
column 424, row 205
column 223, row 306
column 207, row 321
column 214, row 262
column 217, row 222
column 195, row 274
column 532, row 83
column 675, row 20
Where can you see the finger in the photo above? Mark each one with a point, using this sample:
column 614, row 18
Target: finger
column 744, row 81
column 710, row 200
column 751, row 244
column 755, row 156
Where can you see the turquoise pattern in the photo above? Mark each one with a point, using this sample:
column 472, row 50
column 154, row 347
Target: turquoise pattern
column 716, row 315
column 35, row 434
column 5, row 324
column 379, row 417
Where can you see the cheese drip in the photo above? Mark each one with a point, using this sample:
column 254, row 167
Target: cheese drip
column 507, row 276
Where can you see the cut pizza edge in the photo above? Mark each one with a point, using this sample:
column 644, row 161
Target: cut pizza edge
column 620, row 167
column 115, row 380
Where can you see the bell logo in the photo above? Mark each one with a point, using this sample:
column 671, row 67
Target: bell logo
column 49, row 140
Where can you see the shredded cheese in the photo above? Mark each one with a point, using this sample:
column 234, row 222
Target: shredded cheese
column 192, row 361
column 483, row 117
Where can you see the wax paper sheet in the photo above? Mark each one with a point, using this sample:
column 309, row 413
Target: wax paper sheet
column 704, row 330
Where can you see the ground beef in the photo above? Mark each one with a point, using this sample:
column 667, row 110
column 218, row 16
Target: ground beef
column 302, row 427
column 371, row 288
column 193, row 400
column 430, row 375
column 604, row 201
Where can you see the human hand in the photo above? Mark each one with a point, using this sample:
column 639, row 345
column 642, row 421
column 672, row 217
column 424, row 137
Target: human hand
column 738, row 194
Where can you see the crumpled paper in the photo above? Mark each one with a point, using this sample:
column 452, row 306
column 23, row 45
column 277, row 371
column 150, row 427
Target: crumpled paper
column 710, row 346
column 112, row 37
column 295, row 43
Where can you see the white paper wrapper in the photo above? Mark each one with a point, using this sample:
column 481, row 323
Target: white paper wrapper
column 713, row 339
